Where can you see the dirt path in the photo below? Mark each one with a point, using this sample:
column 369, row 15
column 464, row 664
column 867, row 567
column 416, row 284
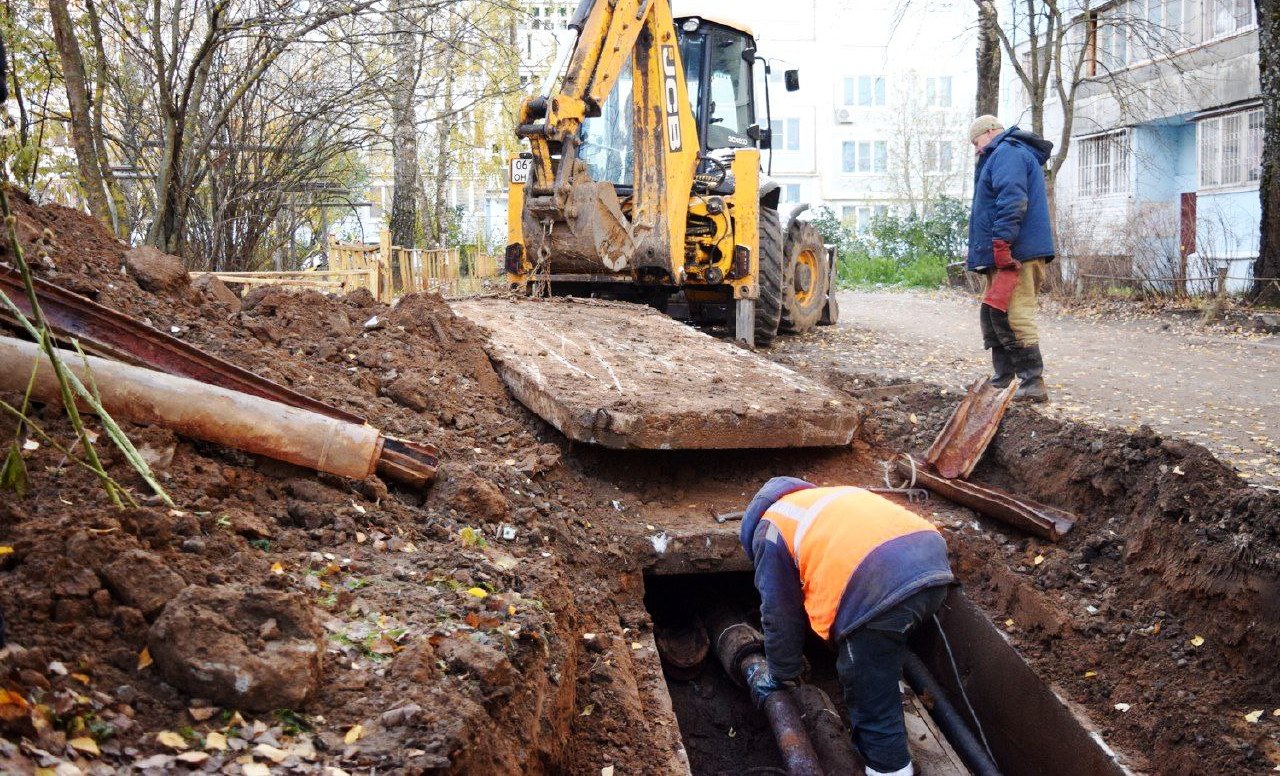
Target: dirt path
column 1217, row 389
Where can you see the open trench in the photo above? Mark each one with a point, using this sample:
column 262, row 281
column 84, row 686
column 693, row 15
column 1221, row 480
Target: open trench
column 1052, row 643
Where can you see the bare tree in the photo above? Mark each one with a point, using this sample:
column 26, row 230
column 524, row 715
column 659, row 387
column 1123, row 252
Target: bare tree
column 1267, row 264
column 926, row 150
column 988, row 59
column 404, row 140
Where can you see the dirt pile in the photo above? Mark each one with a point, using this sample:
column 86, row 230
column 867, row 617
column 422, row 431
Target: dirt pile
column 277, row 616
column 1160, row 611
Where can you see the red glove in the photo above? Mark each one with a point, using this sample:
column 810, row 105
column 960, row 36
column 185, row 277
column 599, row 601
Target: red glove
column 1004, row 255
column 1003, row 281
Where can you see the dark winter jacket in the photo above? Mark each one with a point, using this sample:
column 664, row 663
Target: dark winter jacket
column 1010, row 201
column 831, row 559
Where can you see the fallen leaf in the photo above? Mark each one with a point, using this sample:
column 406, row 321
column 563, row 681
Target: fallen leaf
column 201, row 713
column 81, row 678
column 636, row 645
column 586, row 710
column 1197, row 641
column 144, row 658
column 478, row 592
column 272, row 753
column 606, row 771
column 1038, row 560
column 732, row 733
column 277, row 568
column 172, row 740
column 12, row 705
column 914, row 420
column 90, row 747
column 255, row 769
column 1253, row 716
column 353, row 735
column 215, row 741
column 1122, row 707
column 31, row 444
column 1008, row 623
column 1090, row 674
column 193, row 758
column 5, row 550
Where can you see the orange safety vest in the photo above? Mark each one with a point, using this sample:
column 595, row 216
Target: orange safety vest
column 829, row 533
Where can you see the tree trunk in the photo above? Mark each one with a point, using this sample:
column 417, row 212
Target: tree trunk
column 988, row 100
column 404, row 143
column 1268, row 262
column 80, row 105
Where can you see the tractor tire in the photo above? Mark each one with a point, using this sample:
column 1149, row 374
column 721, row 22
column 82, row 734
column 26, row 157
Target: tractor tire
column 772, row 272
column 806, row 279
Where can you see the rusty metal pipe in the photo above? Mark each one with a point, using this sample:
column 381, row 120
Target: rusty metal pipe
column 201, row 411
column 740, row 647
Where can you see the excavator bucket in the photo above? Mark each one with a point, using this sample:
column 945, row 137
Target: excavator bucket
column 625, row 376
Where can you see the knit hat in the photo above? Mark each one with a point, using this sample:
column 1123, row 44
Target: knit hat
column 983, row 124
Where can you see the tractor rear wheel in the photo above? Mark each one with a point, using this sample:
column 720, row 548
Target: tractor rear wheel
column 772, row 273
column 806, row 278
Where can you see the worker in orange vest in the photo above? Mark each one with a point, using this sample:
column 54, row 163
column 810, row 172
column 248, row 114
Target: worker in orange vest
column 863, row 572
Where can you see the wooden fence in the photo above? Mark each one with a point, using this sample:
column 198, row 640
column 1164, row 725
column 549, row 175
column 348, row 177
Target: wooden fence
column 387, row 270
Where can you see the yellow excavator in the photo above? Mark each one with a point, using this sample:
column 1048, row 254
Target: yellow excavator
column 642, row 181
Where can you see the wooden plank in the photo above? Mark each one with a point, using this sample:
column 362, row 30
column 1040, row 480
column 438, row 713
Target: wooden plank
column 626, row 376
column 930, row 750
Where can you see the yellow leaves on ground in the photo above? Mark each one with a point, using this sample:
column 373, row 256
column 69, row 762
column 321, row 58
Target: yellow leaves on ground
column 86, row 745
column 5, row 550
column 354, row 734
column 172, row 740
column 144, row 658
column 478, row 592
column 1253, row 716
column 1197, row 641
column 215, row 742
column 12, row 705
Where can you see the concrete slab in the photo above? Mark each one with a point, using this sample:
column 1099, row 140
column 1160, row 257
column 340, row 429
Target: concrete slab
column 625, row 376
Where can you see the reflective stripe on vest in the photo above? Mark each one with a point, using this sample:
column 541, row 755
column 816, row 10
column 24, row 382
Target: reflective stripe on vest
column 829, row 532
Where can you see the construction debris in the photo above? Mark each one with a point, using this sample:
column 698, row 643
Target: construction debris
column 969, row 430
column 624, row 376
column 204, row 412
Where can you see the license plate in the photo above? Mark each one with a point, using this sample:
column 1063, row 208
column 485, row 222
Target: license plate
column 520, row 170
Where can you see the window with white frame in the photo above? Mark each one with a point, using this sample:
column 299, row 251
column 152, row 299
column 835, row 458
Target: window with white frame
column 939, row 156
column 1230, row 149
column 865, row 214
column 864, row 91
column 791, row 192
column 937, row 92
column 1224, row 17
column 864, row 156
column 1103, row 164
column 784, row 134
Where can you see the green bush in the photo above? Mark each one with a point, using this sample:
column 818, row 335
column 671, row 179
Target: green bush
column 907, row 251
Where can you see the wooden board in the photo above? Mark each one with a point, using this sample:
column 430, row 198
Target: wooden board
column 625, row 376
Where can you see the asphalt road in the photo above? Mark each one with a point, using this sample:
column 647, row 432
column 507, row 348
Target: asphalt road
column 1215, row 387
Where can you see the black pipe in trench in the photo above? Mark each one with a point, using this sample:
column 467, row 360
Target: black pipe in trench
column 953, row 724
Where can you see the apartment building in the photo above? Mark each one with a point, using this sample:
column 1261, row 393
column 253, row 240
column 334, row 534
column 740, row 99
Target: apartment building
column 1161, row 177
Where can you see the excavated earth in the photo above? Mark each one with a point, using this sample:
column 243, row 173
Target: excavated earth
column 495, row 624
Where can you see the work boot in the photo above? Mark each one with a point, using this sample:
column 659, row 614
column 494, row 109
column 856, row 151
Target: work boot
column 1029, row 366
column 1002, row 363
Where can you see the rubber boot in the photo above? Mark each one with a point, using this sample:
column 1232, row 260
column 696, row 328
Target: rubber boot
column 1029, row 366
column 1002, row 363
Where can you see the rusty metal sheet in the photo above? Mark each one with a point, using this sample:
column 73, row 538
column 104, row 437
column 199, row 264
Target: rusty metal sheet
column 961, row 443
column 625, row 376
column 110, row 333
column 1031, row 516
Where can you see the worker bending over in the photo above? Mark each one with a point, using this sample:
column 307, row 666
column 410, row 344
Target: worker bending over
column 863, row 572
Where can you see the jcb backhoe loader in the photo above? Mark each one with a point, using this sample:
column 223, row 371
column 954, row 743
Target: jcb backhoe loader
column 643, row 178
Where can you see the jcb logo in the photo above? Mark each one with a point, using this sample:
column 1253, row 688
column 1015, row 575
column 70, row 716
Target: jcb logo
column 669, row 72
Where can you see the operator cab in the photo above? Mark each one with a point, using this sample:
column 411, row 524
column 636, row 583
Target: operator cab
column 718, row 59
column 717, row 67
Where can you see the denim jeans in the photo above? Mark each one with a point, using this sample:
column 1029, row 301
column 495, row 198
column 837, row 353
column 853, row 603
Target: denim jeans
column 869, row 663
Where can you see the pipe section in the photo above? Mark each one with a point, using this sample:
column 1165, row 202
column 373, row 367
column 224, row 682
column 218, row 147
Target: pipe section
column 740, row 647
column 953, row 724
column 201, row 411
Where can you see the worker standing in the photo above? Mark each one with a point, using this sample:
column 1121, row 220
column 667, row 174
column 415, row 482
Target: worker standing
column 1010, row 242
column 863, row 572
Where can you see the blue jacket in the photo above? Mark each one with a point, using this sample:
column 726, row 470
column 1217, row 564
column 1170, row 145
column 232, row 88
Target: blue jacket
column 1010, row 201
column 892, row 571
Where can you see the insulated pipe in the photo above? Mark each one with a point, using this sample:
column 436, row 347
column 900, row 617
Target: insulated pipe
column 202, row 411
column 740, row 647
column 953, row 724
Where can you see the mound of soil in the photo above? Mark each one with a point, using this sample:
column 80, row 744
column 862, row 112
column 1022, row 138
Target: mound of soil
column 1160, row 611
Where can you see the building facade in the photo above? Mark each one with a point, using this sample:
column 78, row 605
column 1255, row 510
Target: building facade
column 1161, row 177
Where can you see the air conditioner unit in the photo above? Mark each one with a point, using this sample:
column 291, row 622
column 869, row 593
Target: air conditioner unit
column 844, row 116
